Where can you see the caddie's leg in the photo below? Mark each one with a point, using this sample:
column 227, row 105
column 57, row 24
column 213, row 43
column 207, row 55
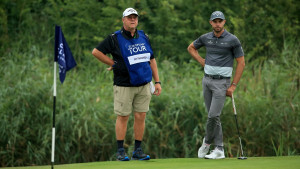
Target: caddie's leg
column 122, row 108
column 139, row 125
column 121, row 127
column 140, row 107
column 141, row 103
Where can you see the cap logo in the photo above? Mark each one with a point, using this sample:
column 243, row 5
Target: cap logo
column 131, row 10
column 217, row 13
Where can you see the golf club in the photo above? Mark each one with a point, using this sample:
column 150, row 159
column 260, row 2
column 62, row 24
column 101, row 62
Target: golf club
column 233, row 104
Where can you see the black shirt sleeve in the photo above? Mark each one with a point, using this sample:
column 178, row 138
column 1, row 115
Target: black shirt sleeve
column 107, row 45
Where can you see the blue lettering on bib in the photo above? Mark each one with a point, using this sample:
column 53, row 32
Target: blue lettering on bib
column 136, row 53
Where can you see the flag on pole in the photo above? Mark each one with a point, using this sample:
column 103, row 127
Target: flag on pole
column 65, row 60
column 62, row 54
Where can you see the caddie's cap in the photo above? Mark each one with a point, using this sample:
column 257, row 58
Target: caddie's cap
column 217, row 14
column 130, row 11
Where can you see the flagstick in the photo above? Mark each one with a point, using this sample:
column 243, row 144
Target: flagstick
column 53, row 126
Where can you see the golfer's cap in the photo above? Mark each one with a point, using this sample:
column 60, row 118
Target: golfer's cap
column 130, row 11
column 217, row 14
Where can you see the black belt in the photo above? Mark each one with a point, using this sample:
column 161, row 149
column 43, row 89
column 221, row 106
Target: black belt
column 216, row 76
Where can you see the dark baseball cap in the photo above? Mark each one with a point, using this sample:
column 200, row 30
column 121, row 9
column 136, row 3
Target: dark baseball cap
column 217, row 14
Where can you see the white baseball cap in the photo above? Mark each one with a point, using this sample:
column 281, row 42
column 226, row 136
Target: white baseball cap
column 130, row 11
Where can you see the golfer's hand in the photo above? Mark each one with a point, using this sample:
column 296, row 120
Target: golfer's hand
column 110, row 68
column 157, row 89
column 230, row 91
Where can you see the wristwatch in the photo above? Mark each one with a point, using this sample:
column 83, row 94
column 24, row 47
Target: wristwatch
column 158, row 82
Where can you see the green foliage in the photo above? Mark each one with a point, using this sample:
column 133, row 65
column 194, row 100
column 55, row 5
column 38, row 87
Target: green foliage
column 267, row 97
column 262, row 26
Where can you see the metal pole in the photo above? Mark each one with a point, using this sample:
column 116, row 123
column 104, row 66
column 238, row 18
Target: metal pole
column 53, row 125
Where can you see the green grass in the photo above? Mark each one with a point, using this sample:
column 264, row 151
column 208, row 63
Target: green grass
column 287, row 162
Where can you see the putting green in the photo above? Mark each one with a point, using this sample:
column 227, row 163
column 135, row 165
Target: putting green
column 288, row 162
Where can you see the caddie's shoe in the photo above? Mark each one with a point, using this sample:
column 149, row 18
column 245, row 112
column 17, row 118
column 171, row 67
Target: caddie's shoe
column 121, row 155
column 138, row 154
column 216, row 154
column 203, row 150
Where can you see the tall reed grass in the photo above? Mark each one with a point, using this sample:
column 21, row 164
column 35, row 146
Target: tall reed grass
column 267, row 101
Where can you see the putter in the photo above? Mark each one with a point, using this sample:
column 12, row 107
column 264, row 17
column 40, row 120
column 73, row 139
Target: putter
column 233, row 104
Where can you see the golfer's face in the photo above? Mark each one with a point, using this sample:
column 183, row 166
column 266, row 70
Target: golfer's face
column 130, row 22
column 217, row 24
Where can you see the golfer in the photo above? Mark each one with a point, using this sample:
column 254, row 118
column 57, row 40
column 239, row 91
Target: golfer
column 133, row 65
column 222, row 48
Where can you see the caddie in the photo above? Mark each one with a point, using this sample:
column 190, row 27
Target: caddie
column 134, row 66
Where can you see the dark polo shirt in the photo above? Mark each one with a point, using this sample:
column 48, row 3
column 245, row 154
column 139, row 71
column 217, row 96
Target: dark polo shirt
column 110, row 45
column 220, row 52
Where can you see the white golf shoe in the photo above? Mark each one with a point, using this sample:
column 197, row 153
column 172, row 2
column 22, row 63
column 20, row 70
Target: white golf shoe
column 203, row 150
column 216, row 154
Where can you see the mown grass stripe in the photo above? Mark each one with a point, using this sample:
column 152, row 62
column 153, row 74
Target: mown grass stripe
column 288, row 162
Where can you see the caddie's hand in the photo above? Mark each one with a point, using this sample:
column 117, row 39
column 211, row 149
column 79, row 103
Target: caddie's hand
column 157, row 89
column 230, row 90
column 110, row 68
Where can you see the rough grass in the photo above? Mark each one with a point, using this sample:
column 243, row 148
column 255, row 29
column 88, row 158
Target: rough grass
column 267, row 103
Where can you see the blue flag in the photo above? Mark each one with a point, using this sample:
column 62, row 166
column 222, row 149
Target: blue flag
column 62, row 54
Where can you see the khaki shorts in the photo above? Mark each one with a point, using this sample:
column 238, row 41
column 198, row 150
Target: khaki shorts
column 128, row 99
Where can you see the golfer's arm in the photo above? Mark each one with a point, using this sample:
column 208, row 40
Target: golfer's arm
column 154, row 69
column 239, row 69
column 194, row 53
column 102, row 57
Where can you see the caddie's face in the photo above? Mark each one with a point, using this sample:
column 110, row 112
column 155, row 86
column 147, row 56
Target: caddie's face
column 130, row 22
column 217, row 24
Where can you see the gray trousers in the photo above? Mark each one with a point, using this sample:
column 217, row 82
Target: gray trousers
column 214, row 91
